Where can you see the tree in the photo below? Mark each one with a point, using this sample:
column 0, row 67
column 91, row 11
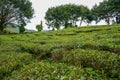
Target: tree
column 106, row 10
column 57, row 16
column 21, row 28
column 115, row 9
column 52, row 18
column 83, row 14
column 15, row 11
column 102, row 12
column 89, row 17
column 65, row 15
column 39, row 27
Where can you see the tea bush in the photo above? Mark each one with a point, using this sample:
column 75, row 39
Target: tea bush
column 9, row 62
column 54, row 71
column 87, row 53
column 99, row 60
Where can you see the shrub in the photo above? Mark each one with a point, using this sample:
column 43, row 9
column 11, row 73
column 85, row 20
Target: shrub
column 54, row 71
column 10, row 62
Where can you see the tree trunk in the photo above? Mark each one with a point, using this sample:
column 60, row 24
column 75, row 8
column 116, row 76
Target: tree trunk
column 1, row 28
column 66, row 24
column 81, row 22
column 108, row 20
column 75, row 23
column 2, row 25
column 118, row 19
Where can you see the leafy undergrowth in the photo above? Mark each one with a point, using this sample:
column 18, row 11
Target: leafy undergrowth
column 88, row 53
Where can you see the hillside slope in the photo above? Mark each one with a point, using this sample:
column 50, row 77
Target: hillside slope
column 87, row 53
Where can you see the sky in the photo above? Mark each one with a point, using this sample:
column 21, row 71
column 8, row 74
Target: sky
column 41, row 6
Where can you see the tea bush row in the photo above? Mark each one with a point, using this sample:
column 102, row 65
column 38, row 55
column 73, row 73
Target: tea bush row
column 10, row 62
column 55, row 71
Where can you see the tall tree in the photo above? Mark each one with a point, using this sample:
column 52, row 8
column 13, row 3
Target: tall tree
column 102, row 12
column 52, row 17
column 106, row 10
column 83, row 14
column 65, row 15
column 115, row 9
column 89, row 17
column 15, row 11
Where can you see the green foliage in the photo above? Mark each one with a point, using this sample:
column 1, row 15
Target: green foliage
column 89, row 17
column 91, row 53
column 99, row 60
column 9, row 62
column 21, row 29
column 39, row 27
column 12, row 11
column 65, row 14
column 54, row 71
column 107, row 10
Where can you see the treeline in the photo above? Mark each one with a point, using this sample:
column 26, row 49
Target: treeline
column 70, row 14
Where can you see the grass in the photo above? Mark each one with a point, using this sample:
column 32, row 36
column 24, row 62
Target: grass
column 87, row 53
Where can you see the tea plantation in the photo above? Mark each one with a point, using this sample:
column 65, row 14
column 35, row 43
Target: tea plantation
column 87, row 53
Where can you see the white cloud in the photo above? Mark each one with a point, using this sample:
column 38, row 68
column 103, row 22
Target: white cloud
column 41, row 6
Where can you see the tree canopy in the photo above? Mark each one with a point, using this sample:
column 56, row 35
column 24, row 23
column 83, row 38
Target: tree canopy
column 66, row 14
column 15, row 11
column 107, row 10
column 69, row 14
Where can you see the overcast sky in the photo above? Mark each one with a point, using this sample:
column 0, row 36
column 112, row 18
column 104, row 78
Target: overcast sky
column 41, row 6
